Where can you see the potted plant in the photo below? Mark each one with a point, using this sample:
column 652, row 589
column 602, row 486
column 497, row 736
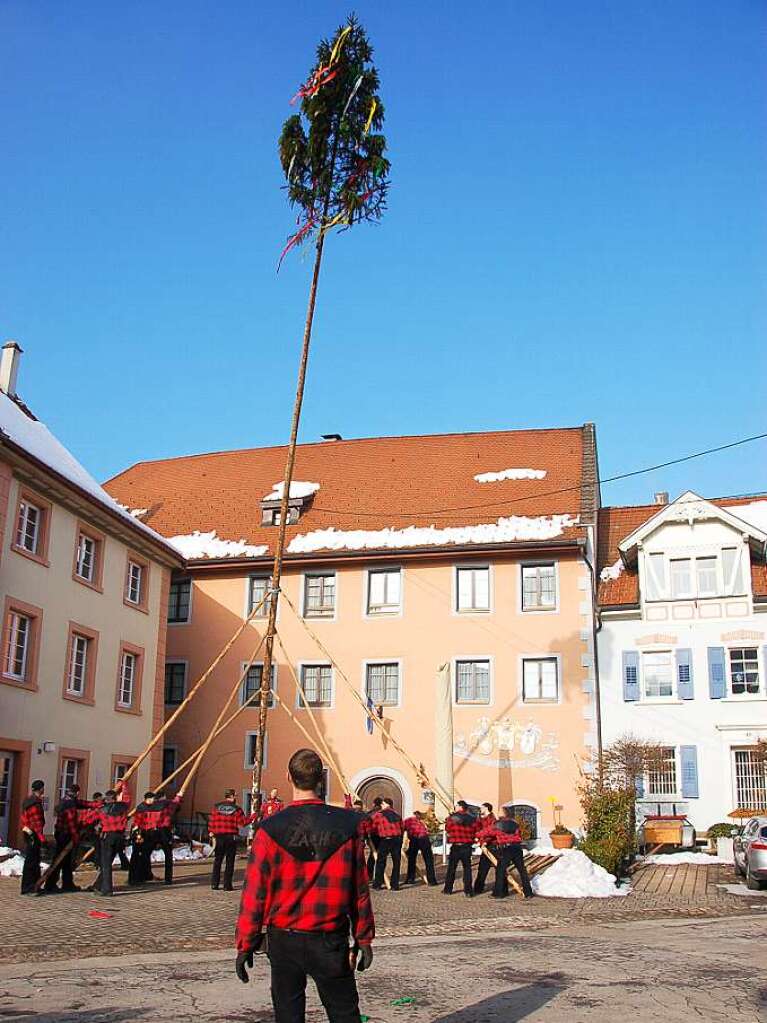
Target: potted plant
column 561, row 837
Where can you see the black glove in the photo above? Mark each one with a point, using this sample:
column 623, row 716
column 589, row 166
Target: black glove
column 243, row 959
column 364, row 957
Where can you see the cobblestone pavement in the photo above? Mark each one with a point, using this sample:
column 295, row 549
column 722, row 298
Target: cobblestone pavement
column 646, row 970
column 190, row 917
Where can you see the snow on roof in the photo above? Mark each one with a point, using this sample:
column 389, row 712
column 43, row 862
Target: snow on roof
column 37, row 440
column 505, row 530
column 611, row 571
column 199, row 545
column 755, row 514
column 297, row 489
column 510, row 474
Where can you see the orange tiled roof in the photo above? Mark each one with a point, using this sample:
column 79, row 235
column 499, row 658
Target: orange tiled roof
column 616, row 523
column 365, row 484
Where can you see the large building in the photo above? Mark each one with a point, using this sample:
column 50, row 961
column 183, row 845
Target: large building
column 84, row 591
column 404, row 554
column 683, row 647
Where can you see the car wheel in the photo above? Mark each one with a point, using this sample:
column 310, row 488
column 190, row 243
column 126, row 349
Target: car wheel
column 752, row 883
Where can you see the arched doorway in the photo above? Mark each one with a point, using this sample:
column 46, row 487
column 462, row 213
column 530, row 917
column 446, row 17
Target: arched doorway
column 527, row 818
column 386, row 788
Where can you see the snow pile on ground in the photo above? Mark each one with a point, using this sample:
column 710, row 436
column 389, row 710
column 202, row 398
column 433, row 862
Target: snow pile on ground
column 575, row 876
column 208, row 545
column 298, row 489
column 673, row 859
column 612, row 571
column 12, row 862
column 517, row 527
column 36, row 439
column 510, row 474
column 755, row 514
column 181, row 854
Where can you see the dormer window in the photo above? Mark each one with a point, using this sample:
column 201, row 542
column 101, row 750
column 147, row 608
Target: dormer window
column 690, row 577
column 301, row 495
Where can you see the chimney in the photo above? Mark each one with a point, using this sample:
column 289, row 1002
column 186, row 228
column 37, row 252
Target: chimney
column 9, row 367
column 332, row 436
column 660, row 497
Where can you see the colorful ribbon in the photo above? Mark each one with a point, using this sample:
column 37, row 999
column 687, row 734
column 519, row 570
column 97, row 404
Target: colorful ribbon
column 352, row 94
column 369, row 121
column 297, row 238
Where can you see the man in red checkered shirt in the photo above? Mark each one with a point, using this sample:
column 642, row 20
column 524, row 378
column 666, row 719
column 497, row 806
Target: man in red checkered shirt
column 224, row 824
column 504, row 840
column 387, row 825
column 113, row 819
column 461, row 827
column 306, row 885
column 419, row 842
column 66, row 831
column 272, row 805
column 153, row 827
column 33, row 826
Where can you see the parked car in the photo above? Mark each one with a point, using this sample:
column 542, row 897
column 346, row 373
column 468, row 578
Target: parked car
column 751, row 853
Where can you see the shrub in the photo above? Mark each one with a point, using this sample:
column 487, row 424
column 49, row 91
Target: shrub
column 724, row 829
column 609, row 852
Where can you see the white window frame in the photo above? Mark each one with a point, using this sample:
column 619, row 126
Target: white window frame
column 643, row 697
column 724, row 588
column 541, row 656
column 760, row 667
column 188, row 619
column 537, row 563
column 473, row 566
column 378, row 615
column 666, row 797
column 264, row 612
column 22, row 523
column 383, row 660
column 82, row 539
column 73, row 647
column 743, row 748
column 319, row 617
column 491, row 680
column 249, row 765
column 177, row 660
column 74, row 777
column 274, row 686
column 10, row 657
column 317, row 664
column 138, row 601
column 121, row 702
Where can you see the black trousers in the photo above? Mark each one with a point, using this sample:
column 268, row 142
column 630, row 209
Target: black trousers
column 388, row 847
column 458, row 854
column 139, row 869
column 226, row 848
column 159, row 838
column 296, row 955
column 30, row 873
column 120, row 852
column 65, row 869
column 422, row 846
column 516, row 855
column 110, row 843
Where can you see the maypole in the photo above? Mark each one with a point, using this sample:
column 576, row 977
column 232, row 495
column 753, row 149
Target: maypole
column 332, row 154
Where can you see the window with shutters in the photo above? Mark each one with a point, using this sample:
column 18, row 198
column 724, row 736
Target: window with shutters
column 539, row 587
column 473, row 588
column 384, row 595
column 251, row 685
column 662, row 776
column 744, row 671
column 382, row 683
column 317, row 682
column 658, row 674
column 179, row 602
column 320, row 595
column 175, row 683
column 472, row 681
column 540, row 680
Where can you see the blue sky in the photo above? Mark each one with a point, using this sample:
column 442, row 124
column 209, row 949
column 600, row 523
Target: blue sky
column 577, row 229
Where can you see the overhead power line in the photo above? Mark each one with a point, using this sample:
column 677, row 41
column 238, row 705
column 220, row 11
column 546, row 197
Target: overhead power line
column 546, row 493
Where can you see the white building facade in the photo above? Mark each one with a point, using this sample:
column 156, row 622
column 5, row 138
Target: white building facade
column 682, row 648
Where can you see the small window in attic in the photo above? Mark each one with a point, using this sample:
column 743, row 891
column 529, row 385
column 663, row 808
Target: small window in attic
column 271, row 516
column 301, row 495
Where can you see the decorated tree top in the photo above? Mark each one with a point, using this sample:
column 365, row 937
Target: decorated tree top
column 333, row 152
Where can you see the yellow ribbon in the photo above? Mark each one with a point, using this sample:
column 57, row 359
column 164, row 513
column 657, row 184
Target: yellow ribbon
column 369, row 121
column 335, row 52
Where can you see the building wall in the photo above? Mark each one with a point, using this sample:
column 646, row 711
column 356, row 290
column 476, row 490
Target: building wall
column 548, row 740
column 715, row 728
column 98, row 732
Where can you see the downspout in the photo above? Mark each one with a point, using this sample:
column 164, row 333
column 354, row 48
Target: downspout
column 596, row 626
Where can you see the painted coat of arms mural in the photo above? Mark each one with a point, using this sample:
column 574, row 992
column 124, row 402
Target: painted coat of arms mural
column 509, row 743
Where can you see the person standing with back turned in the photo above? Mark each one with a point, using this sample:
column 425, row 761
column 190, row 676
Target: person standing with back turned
column 306, row 884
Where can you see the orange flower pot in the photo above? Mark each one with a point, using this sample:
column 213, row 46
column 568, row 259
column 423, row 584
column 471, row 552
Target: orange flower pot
column 561, row 841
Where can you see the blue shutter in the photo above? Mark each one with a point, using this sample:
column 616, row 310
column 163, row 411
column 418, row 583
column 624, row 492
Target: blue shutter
column 630, row 675
column 639, row 785
column 716, row 673
column 684, row 680
column 688, row 756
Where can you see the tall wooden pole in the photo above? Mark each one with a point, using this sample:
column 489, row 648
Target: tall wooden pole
column 266, row 677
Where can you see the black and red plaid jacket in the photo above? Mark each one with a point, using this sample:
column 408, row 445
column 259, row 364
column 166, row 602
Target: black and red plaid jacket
column 504, row 832
column 461, row 828
column 271, row 807
column 227, row 819
column 68, row 818
column 33, row 816
column 387, row 824
column 306, row 872
column 485, row 827
column 113, row 817
column 365, row 826
column 89, row 817
column 157, row 814
column 415, row 828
